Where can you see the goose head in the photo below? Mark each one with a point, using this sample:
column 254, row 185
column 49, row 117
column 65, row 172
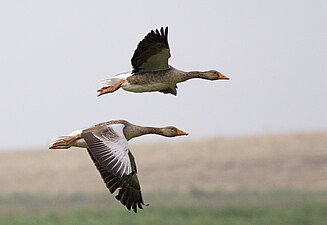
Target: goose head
column 214, row 75
column 171, row 131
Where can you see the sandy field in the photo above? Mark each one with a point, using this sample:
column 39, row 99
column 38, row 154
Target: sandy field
column 285, row 161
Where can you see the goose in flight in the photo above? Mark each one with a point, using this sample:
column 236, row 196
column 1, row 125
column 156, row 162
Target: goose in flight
column 151, row 71
column 107, row 144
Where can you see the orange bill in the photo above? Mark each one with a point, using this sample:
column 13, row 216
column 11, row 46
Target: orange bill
column 222, row 77
column 180, row 132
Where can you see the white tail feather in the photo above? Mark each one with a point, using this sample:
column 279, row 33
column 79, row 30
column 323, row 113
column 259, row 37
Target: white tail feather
column 112, row 81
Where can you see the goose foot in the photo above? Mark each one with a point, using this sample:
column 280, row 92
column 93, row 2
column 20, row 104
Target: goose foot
column 62, row 143
column 110, row 89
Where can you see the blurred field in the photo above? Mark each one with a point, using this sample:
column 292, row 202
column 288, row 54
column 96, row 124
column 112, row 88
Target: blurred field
column 201, row 208
column 275, row 179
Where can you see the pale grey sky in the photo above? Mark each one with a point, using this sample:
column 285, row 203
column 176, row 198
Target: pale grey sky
column 54, row 53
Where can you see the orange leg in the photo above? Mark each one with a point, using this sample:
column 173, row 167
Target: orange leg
column 64, row 143
column 110, row 89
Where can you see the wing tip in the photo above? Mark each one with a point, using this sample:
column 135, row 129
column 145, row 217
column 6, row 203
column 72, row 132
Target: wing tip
column 162, row 32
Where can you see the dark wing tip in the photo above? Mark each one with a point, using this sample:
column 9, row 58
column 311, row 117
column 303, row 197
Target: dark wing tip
column 129, row 191
column 166, row 32
column 130, row 198
column 156, row 38
column 161, row 33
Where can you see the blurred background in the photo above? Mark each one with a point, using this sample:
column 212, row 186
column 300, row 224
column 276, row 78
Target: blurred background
column 256, row 153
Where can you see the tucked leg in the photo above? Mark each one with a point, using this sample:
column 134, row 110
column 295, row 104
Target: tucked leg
column 110, row 89
column 64, row 142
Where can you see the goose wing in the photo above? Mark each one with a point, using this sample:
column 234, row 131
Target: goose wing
column 109, row 151
column 152, row 52
column 129, row 193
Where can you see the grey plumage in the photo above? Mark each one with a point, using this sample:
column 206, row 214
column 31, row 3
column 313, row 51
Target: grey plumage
column 107, row 145
column 151, row 71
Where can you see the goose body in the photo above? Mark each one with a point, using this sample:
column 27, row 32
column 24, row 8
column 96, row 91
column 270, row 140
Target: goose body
column 164, row 80
column 151, row 71
column 107, row 145
column 136, row 83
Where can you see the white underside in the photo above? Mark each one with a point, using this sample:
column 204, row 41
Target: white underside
column 79, row 142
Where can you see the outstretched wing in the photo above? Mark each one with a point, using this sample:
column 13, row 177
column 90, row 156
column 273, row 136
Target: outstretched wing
column 152, row 52
column 129, row 193
column 109, row 151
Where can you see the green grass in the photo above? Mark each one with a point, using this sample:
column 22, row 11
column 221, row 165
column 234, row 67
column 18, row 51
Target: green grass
column 196, row 207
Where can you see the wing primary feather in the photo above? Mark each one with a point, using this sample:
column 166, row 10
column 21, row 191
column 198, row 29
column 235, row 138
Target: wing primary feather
column 125, row 196
column 166, row 34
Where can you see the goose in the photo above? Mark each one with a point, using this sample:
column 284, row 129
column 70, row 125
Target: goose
column 107, row 145
column 151, row 71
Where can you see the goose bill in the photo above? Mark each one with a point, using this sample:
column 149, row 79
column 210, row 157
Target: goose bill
column 222, row 77
column 180, row 132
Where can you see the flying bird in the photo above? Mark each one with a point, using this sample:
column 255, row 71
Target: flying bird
column 151, row 71
column 107, row 144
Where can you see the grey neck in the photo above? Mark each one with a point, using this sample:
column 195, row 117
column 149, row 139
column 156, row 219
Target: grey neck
column 184, row 76
column 136, row 131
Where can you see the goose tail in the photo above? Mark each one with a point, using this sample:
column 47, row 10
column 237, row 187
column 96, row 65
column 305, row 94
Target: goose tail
column 113, row 81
